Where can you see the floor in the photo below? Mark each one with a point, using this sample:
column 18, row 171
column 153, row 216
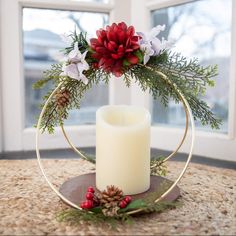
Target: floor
column 29, row 207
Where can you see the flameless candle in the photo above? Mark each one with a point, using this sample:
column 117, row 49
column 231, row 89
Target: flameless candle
column 123, row 148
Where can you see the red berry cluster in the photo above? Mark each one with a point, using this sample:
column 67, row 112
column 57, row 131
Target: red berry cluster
column 125, row 201
column 91, row 200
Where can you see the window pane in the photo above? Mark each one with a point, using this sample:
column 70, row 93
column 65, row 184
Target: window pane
column 42, row 44
column 200, row 32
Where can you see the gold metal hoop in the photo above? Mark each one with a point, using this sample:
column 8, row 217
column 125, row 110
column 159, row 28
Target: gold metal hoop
column 38, row 153
column 187, row 112
column 188, row 109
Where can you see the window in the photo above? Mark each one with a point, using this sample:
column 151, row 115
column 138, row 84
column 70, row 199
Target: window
column 204, row 33
column 42, row 44
column 204, row 29
column 30, row 40
column 25, row 54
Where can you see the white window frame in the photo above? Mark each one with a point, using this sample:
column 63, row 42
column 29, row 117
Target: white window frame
column 16, row 136
column 210, row 144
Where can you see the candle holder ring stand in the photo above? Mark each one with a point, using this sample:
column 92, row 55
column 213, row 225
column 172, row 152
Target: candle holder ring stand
column 73, row 190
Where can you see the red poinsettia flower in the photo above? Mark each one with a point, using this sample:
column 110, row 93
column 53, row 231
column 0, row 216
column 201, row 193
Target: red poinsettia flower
column 115, row 47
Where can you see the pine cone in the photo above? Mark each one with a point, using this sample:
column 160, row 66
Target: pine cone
column 111, row 196
column 63, row 98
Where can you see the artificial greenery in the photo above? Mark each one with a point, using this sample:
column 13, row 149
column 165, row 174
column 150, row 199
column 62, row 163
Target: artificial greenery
column 54, row 115
column 145, row 205
column 82, row 42
column 75, row 216
column 158, row 166
column 188, row 77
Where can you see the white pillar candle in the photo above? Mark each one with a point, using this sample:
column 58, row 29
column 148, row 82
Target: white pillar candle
column 123, row 148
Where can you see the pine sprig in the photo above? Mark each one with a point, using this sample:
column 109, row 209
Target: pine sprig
column 181, row 67
column 149, row 80
column 201, row 111
column 191, row 86
column 80, row 38
column 190, row 73
column 53, row 74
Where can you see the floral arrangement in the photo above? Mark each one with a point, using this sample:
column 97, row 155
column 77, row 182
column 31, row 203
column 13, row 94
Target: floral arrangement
column 121, row 52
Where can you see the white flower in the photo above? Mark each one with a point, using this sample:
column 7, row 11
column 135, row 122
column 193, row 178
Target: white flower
column 148, row 51
column 151, row 45
column 155, row 31
column 75, row 65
